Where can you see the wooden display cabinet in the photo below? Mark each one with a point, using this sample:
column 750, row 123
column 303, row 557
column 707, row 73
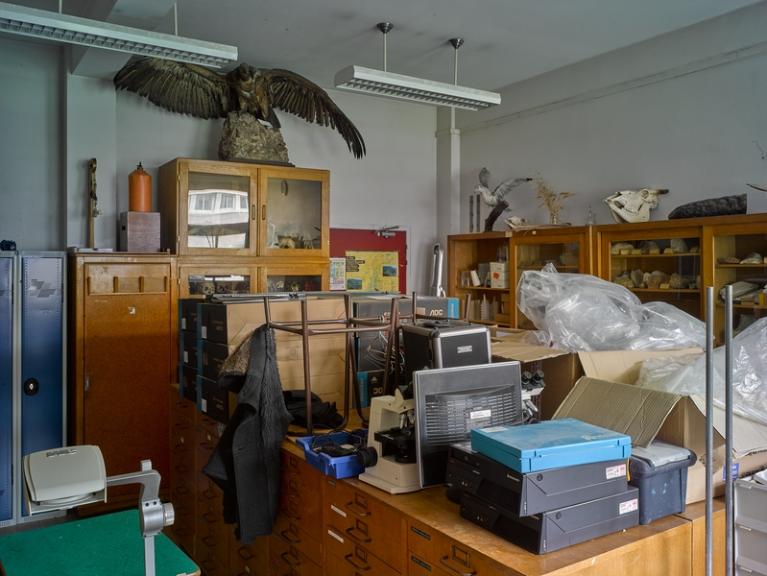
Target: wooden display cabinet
column 464, row 253
column 729, row 244
column 567, row 248
column 217, row 208
column 199, row 276
column 122, row 358
column 670, row 251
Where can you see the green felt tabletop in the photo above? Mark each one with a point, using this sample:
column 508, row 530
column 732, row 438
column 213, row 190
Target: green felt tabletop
column 109, row 545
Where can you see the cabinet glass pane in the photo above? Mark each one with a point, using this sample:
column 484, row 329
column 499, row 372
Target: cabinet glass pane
column 742, row 262
column 293, row 283
column 564, row 257
column 664, row 269
column 218, row 210
column 219, row 284
column 295, row 213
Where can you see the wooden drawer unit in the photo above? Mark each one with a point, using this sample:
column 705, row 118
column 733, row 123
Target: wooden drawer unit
column 249, row 560
column 343, row 557
column 293, row 532
column 207, row 558
column 300, row 496
column 445, row 554
column 364, row 521
column 287, row 560
column 417, row 566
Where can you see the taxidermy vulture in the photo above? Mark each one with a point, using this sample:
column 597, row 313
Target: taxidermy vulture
column 239, row 96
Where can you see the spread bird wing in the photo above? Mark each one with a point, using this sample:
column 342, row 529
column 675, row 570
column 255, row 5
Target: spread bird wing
column 508, row 185
column 484, row 177
column 293, row 93
column 176, row 86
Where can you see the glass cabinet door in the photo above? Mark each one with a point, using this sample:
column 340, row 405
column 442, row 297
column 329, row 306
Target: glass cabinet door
column 658, row 267
column 740, row 260
column 305, row 278
column 294, row 212
column 219, row 213
column 208, row 280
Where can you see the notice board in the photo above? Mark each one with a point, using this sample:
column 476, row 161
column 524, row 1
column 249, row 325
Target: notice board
column 375, row 259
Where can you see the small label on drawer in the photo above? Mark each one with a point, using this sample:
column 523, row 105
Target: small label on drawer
column 615, row 471
column 204, row 405
column 628, row 506
column 338, row 510
column 204, row 332
column 480, row 414
column 183, row 323
column 464, row 349
column 332, row 534
column 186, row 357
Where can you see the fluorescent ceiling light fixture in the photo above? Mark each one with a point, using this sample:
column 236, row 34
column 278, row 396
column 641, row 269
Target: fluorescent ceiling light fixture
column 69, row 29
column 388, row 84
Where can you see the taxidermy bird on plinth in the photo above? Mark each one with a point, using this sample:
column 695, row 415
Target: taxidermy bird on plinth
column 496, row 198
column 246, row 96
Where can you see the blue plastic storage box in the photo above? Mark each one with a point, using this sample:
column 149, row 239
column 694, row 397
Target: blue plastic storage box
column 334, row 466
column 550, row 444
column 660, row 473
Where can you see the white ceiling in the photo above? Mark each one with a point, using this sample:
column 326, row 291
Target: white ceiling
column 506, row 40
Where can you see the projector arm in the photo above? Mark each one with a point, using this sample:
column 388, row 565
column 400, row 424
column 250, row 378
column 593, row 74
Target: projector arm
column 154, row 515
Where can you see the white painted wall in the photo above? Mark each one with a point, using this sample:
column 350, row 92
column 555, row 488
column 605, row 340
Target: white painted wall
column 642, row 116
column 395, row 184
column 31, row 205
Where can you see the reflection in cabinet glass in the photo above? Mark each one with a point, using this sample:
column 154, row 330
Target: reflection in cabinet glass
column 218, row 211
column 294, row 214
column 206, row 284
column 293, row 283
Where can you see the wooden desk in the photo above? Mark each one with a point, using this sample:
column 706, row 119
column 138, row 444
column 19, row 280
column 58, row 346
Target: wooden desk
column 664, row 548
column 109, row 544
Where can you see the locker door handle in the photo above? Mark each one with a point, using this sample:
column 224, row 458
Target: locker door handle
column 87, row 383
column 31, row 386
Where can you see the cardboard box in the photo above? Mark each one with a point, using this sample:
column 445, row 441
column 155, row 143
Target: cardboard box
column 560, row 369
column 607, row 397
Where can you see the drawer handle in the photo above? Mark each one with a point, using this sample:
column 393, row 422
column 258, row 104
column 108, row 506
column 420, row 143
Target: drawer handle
column 244, row 553
column 361, row 567
column 358, row 535
column 357, row 509
column 210, row 518
column 293, row 539
column 445, row 561
column 295, row 561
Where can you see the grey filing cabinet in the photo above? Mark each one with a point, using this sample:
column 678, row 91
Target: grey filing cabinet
column 32, row 367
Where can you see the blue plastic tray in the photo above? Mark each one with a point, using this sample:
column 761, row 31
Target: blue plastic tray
column 334, row 466
column 550, row 444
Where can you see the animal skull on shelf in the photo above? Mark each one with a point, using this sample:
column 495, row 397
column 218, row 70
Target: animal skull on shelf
column 632, row 206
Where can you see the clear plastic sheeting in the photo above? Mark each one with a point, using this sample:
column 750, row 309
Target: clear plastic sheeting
column 687, row 375
column 582, row 312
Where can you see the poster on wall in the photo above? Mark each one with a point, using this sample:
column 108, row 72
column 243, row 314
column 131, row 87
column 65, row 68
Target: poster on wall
column 372, row 271
column 338, row 273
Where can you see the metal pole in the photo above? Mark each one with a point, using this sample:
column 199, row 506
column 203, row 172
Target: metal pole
column 709, row 428
column 385, row 28
column 307, row 371
column 728, row 503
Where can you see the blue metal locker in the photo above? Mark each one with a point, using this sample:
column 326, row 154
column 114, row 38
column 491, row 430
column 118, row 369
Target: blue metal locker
column 6, row 386
column 42, row 358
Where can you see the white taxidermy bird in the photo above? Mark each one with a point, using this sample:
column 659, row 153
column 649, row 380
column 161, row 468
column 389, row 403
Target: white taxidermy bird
column 500, row 191
column 496, row 198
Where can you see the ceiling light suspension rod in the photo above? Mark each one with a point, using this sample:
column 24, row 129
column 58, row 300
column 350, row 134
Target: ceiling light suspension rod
column 385, row 28
column 457, row 43
column 175, row 18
